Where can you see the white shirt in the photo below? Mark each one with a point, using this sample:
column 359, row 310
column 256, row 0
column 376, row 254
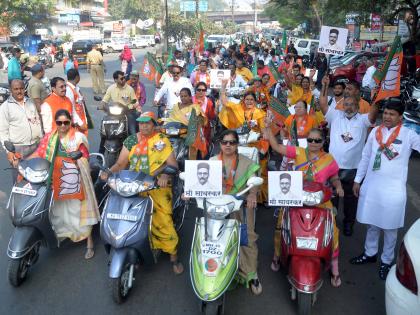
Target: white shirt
column 347, row 154
column 172, row 89
column 383, row 194
column 368, row 80
column 333, row 101
column 69, row 93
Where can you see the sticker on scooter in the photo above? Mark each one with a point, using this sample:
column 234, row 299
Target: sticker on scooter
column 212, row 250
column 119, row 216
column 211, row 265
column 24, row 191
column 307, row 243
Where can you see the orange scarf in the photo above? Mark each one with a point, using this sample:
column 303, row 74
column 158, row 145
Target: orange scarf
column 228, row 179
column 384, row 146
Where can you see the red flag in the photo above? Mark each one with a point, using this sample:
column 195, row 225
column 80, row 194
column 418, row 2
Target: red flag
column 201, row 39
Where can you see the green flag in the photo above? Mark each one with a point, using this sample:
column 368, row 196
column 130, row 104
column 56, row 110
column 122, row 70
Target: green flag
column 284, row 40
column 254, row 68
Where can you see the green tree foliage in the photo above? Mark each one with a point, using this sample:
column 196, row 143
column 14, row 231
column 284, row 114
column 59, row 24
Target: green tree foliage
column 134, row 9
column 30, row 13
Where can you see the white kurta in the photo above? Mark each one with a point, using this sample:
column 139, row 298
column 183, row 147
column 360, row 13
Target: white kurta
column 382, row 196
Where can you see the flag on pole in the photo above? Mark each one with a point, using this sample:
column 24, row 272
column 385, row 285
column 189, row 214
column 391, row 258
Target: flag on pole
column 146, row 70
column 389, row 75
column 279, row 110
column 274, row 74
column 195, row 135
column 254, row 68
column 243, row 45
column 284, row 40
column 201, row 44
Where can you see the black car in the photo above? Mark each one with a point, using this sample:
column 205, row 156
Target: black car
column 80, row 50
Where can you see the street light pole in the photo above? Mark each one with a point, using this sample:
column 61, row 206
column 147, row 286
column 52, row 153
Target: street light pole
column 255, row 16
column 167, row 24
column 233, row 11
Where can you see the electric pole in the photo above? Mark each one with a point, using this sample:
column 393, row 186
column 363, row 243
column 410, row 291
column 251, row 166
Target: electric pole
column 196, row 8
column 233, row 11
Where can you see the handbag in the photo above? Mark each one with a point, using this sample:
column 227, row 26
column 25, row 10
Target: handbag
column 244, row 230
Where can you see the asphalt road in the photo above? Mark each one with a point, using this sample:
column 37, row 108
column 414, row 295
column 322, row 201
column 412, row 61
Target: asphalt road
column 63, row 282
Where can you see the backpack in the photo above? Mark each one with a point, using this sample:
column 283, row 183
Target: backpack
column 69, row 65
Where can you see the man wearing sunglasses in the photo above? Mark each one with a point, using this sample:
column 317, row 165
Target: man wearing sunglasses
column 122, row 93
column 172, row 88
column 56, row 101
column 348, row 133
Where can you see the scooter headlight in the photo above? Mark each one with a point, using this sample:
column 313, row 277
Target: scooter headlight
column 127, row 189
column 219, row 212
column 312, row 198
column 115, row 110
column 171, row 131
column 32, row 176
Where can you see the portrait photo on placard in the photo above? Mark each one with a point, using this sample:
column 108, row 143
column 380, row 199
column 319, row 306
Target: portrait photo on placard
column 217, row 76
column 203, row 179
column 333, row 40
column 285, row 188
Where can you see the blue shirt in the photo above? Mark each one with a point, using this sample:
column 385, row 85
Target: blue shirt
column 13, row 69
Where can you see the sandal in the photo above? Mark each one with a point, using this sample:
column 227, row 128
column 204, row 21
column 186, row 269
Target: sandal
column 275, row 265
column 90, row 252
column 335, row 280
column 256, row 286
column 177, row 267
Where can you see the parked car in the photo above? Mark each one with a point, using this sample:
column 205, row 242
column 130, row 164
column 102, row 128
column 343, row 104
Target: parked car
column 150, row 39
column 80, row 49
column 110, row 45
column 349, row 65
column 304, row 45
column 401, row 288
column 138, row 42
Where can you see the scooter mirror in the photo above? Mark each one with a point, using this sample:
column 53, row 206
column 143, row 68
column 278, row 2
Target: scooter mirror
column 182, row 176
column 9, row 146
column 75, row 155
column 97, row 98
column 254, row 181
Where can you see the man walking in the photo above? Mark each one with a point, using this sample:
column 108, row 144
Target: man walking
column 20, row 124
column 95, row 65
column 73, row 93
column 57, row 100
column 348, row 132
column 382, row 196
column 37, row 91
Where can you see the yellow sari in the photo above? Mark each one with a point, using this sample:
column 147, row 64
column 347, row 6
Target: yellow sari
column 163, row 234
column 182, row 115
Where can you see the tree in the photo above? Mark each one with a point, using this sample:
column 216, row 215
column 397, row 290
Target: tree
column 134, row 9
column 30, row 13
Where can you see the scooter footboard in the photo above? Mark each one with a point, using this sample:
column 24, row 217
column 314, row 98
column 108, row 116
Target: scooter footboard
column 23, row 239
column 305, row 273
column 120, row 257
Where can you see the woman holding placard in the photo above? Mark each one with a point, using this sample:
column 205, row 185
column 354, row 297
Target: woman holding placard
column 316, row 166
column 237, row 169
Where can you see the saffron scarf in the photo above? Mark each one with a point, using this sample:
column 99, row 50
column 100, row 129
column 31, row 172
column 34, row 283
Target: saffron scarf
column 384, row 147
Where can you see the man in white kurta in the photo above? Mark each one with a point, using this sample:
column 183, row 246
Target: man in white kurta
column 382, row 196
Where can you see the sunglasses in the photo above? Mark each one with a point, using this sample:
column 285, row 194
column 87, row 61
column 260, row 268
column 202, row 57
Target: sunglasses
column 201, row 90
column 311, row 140
column 60, row 123
column 230, row 142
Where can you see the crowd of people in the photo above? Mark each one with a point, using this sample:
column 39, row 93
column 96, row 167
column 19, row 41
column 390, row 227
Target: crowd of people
column 347, row 149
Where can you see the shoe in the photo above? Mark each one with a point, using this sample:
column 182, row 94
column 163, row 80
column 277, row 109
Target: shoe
column 383, row 270
column 347, row 229
column 335, row 280
column 256, row 286
column 90, row 252
column 275, row 265
column 363, row 259
column 177, row 267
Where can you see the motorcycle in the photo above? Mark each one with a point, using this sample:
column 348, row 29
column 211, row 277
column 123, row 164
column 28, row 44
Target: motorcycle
column 29, row 203
column 306, row 244
column 126, row 226
column 4, row 92
column 214, row 258
column 114, row 129
column 45, row 59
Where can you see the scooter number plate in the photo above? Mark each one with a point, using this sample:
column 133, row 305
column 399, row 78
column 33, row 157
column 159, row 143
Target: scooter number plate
column 107, row 122
column 24, row 191
column 307, row 243
column 118, row 216
column 212, row 250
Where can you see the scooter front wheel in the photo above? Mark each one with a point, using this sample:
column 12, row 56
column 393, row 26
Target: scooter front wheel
column 120, row 286
column 18, row 270
column 213, row 308
column 304, row 303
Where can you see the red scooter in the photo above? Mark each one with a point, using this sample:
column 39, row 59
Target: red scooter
column 306, row 244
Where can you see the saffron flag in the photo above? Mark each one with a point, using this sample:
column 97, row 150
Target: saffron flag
column 274, row 74
column 146, row 70
column 389, row 75
column 279, row 110
column 201, row 46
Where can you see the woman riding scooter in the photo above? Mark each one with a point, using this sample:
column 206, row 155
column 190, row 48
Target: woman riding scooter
column 149, row 151
column 237, row 169
column 316, row 166
column 75, row 208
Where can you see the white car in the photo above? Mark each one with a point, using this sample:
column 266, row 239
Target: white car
column 112, row 45
column 139, row 42
column 401, row 289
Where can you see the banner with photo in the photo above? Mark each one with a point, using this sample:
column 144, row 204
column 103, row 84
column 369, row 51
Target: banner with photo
column 217, row 76
column 203, row 179
column 285, row 189
column 333, row 40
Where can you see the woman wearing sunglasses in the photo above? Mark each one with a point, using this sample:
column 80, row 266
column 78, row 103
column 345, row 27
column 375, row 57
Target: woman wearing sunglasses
column 246, row 116
column 237, row 169
column 207, row 106
column 317, row 166
column 75, row 208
